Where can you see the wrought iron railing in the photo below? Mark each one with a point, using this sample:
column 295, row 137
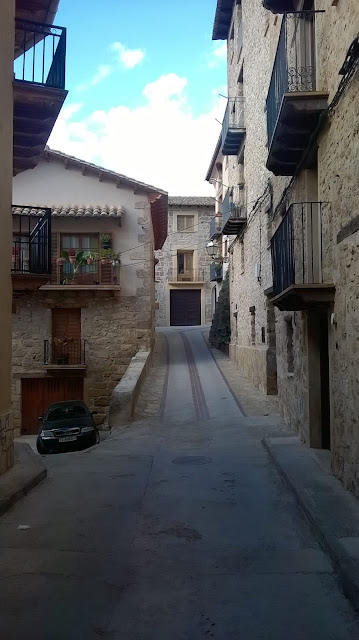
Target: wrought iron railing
column 190, row 275
column 296, row 247
column 94, row 271
column 231, row 210
column 31, row 245
column 64, row 351
column 215, row 228
column 294, row 68
column 233, row 117
column 216, row 271
column 40, row 53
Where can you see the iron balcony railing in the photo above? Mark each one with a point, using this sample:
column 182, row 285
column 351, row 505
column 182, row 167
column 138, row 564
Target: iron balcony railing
column 91, row 272
column 294, row 68
column 190, row 275
column 64, row 352
column 216, row 271
column 230, row 210
column 297, row 247
column 40, row 53
column 31, row 245
column 215, row 228
column 233, row 126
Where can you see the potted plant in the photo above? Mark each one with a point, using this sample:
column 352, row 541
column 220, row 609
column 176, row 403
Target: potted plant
column 72, row 256
column 115, row 259
column 61, row 260
column 90, row 258
column 105, row 241
column 105, row 256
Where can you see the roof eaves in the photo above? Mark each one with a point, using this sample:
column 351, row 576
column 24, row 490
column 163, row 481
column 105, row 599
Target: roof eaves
column 222, row 19
column 101, row 171
column 217, row 150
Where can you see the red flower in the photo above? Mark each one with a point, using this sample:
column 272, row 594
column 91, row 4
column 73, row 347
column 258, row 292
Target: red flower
column 72, row 252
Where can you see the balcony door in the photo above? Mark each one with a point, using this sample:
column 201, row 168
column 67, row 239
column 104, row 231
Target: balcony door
column 185, row 266
column 66, row 336
column 89, row 244
column 301, row 47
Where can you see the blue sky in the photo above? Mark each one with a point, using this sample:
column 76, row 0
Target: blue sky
column 143, row 80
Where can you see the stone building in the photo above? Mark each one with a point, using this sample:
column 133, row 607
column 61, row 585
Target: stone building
column 83, row 277
column 183, row 271
column 294, row 260
column 32, row 95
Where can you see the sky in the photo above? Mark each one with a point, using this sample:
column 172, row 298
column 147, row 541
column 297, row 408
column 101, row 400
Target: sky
column 144, row 81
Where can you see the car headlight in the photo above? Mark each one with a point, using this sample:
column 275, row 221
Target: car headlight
column 47, row 434
column 87, row 429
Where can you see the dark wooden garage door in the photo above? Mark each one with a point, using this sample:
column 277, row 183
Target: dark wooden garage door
column 185, row 307
column 38, row 393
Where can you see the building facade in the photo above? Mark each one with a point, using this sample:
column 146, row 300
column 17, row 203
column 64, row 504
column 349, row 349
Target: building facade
column 83, row 265
column 293, row 263
column 184, row 278
column 32, row 95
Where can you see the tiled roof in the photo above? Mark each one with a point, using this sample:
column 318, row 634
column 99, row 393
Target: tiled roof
column 216, row 153
column 100, row 172
column 76, row 211
column 190, row 201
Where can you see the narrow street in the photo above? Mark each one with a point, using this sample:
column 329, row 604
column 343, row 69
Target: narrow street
column 176, row 527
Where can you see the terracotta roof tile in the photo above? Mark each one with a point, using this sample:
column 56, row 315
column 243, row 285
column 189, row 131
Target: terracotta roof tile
column 75, row 211
column 194, row 201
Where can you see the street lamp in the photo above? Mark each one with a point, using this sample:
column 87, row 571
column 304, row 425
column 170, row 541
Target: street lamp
column 212, row 249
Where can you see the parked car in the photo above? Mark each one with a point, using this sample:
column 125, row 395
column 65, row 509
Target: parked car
column 67, row 424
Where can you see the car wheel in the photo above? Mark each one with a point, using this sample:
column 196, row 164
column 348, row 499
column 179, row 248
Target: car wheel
column 42, row 449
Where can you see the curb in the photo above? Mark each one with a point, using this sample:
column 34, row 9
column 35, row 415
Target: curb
column 344, row 564
column 27, row 472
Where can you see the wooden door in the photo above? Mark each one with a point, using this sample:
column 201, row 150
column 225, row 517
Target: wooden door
column 185, row 307
column 38, row 393
column 66, row 336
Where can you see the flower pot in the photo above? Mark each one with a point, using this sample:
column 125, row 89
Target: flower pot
column 89, row 260
column 72, row 259
column 104, row 261
column 61, row 261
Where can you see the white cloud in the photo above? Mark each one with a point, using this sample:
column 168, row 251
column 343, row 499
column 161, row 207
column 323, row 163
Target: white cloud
column 102, row 72
column 129, row 58
column 218, row 55
column 161, row 142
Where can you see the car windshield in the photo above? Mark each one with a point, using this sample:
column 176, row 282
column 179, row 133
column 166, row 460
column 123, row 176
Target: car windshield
column 66, row 413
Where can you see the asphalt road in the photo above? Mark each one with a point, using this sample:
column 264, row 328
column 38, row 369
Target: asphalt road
column 178, row 528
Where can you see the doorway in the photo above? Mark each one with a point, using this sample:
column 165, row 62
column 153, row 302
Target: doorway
column 319, row 379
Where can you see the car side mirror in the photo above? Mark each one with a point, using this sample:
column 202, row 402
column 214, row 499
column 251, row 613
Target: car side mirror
column 40, row 419
column 94, row 413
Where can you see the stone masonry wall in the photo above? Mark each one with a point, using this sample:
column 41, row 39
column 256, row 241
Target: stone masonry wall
column 195, row 240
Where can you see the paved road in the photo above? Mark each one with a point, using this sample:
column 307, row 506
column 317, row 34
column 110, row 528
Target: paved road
column 178, row 528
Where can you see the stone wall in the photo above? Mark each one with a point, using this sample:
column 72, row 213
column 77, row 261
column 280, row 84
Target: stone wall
column 195, row 239
column 287, row 351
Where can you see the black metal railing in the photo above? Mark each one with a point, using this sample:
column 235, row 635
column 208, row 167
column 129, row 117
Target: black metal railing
column 294, row 68
column 216, row 271
column 215, row 228
column 40, row 53
column 91, row 271
column 31, row 245
column 233, row 121
column 64, row 351
column 230, row 210
column 296, row 247
column 186, row 275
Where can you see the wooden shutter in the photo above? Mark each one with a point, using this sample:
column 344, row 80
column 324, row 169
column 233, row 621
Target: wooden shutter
column 66, row 323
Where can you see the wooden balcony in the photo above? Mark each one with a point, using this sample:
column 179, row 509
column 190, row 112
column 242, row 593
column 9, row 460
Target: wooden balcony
column 279, row 6
column 38, row 88
column 233, row 131
column 98, row 274
column 296, row 246
column 294, row 105
column 31, row 260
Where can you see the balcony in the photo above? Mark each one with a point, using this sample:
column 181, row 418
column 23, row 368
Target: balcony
column 294, row 105
column 92, row 273
column 233, row 131
column 39, row 88
column 216, row 271
column 297, row 249
column 31, row 257
column 234, row 217
column 64, row 354
column 215, row 229
column 186, row 277
column 279, row 6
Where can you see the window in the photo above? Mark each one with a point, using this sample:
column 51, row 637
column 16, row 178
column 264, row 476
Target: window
column 185, row 265
column 185, row 223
